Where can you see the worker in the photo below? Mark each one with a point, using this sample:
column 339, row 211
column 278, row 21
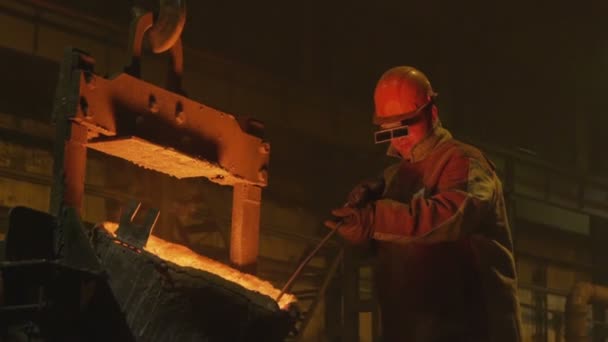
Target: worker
column 444, row 267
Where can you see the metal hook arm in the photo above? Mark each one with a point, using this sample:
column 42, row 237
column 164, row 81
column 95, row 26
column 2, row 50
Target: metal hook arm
column 163, row 34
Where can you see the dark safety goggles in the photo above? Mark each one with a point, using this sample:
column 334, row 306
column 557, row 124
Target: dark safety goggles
column 390, row 133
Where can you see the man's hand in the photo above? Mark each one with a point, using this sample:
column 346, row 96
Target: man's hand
column 365, row 192
column 355, row 224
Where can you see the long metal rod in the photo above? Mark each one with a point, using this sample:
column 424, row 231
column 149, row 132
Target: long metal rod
column 298, row 270
column 321, row 293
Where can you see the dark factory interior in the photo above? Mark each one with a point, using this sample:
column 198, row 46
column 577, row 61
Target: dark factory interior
column 167, row 169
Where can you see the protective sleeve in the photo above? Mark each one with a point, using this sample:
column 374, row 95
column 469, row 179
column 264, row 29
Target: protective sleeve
column 465, row 195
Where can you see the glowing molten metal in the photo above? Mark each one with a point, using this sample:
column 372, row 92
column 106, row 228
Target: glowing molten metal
column 185, row 257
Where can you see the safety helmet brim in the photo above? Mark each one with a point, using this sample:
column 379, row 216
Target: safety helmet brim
column 382, row 120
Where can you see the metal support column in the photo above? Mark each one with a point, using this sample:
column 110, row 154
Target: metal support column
column 245, row 233
column 69, row 168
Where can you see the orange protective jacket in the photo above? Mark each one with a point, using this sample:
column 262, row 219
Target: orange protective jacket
column 444, row 267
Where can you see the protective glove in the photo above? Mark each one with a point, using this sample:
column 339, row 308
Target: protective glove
column 357, row 223
column 365, row 192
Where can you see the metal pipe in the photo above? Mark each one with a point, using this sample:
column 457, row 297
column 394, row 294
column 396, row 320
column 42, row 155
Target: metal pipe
column 581, row 295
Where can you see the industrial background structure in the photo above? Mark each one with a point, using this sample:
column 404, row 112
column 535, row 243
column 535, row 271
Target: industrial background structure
column 528, row 94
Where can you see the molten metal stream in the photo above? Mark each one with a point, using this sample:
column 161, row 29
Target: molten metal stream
column 185, row 257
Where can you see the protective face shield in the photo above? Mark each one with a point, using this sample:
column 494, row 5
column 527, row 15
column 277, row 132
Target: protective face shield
column 400, row 126
column 388, row 133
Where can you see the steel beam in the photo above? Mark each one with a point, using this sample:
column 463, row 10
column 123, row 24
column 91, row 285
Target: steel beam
column 159, row 129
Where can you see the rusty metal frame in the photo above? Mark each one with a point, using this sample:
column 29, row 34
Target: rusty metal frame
column 126, row 111
column 159, row 129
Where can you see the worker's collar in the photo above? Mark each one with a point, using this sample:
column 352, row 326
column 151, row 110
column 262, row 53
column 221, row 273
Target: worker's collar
column 423, row 148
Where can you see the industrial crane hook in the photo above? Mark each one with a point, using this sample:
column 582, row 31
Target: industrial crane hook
column 168, row 25
column 163, row 32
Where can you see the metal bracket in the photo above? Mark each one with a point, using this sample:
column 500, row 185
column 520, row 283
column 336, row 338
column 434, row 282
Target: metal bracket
column 133, row 234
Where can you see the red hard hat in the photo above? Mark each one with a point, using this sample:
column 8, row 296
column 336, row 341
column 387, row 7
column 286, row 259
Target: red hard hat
column 400, row 94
